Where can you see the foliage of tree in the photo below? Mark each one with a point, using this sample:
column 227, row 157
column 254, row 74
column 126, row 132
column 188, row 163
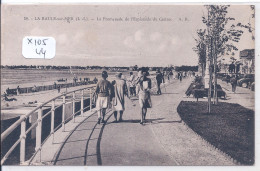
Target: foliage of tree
column 219, row 38
column 200, row 48
column 186, row 68
column 249, row 26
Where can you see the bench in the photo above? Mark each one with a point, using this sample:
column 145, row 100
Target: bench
column 200, row 93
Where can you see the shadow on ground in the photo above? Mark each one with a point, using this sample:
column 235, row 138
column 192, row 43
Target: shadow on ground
column 229, row 127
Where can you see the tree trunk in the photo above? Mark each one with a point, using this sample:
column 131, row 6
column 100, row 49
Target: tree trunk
column 202, row 69
column 215, row 95
column 210, row 75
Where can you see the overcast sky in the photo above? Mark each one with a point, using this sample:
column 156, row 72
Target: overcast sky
column 111, row 43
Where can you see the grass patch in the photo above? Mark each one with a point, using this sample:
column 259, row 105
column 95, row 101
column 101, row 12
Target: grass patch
column 230, row 127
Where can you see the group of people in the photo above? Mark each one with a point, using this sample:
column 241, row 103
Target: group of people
column 113, row 94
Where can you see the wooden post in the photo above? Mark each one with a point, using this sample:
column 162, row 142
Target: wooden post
column 23, row 141
column 82, row 102
column 39, row 132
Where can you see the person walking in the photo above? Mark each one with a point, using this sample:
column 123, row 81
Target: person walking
column 120, row 90
column 131, row 84
column 145, row 101
column 159, row 80
column 180, row 76
column 233, row 82
column 139, row 75
column 171, row 74
column 168, row 76
column 103, row 91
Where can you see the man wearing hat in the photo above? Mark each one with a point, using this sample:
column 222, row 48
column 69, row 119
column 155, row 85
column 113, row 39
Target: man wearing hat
column 103, row 91
column 159, row 80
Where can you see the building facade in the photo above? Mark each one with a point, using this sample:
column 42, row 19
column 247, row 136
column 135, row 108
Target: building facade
column 247, row 60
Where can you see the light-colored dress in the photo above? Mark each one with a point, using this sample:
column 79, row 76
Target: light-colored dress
column 131, row 81
column 144, row 94
column 120, row 91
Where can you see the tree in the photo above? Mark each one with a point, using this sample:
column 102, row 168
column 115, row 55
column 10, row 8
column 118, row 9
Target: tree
column 219, row 38
column 200, row 48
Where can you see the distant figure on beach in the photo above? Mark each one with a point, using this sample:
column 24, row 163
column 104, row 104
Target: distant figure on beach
column 58, row 88
column 103, row 90
column 145, row 101
column 86, row 79
column 55, row 85
column 18, row 90
column 95, row 80
column 74, row 80
column 159, row 80
column 7, row 99
column 131, row 84
column 233, row 82
column 34, row 88
column 120, row 90
column 8, row 90
column 5, row 96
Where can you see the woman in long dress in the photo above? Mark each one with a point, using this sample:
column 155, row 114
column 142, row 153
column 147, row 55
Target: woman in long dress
column 120, row 90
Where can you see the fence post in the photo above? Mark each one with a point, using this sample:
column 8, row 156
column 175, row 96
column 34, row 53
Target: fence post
column 39, row 132
column 90, row 104
column 82, row 102
column 63, row 112
column 73, row 105
column 23, row 141
column 52, row 119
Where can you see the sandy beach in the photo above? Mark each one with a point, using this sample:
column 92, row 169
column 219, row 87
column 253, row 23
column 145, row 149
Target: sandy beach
column 11, row 78
column 42, row 96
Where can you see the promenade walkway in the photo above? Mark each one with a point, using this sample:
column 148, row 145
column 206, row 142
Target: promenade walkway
column 243, row 96
column 163, row 140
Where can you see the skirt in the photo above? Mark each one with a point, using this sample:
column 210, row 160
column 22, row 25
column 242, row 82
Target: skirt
column 145, row 100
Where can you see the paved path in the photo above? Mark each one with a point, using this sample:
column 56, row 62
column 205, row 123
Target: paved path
column 243, row 96
column 163, row 140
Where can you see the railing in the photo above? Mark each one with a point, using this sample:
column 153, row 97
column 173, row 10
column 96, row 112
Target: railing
column 38, row 124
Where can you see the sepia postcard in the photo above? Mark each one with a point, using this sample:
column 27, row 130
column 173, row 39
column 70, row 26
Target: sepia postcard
column 128, row 85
